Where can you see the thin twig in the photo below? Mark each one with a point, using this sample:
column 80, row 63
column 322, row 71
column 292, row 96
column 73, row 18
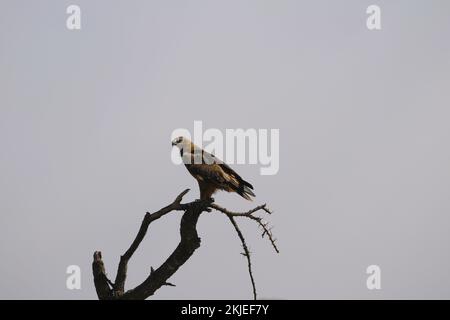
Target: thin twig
column 246, row 252
column 267, row 230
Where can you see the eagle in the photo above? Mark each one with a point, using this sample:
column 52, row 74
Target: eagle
column 211, row 173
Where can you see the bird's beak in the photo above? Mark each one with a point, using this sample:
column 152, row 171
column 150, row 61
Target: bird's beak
column 173, row 143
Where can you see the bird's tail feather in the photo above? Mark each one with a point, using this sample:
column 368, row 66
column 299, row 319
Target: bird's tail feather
column 246, row 193
column 249, row 191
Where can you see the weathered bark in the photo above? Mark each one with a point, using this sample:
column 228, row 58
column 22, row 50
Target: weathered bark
column 189, row 242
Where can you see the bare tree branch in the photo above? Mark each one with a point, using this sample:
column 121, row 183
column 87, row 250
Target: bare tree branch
column 101, row 281
column 157, row 278
column 245, row 254
column 149, row 218
column 267, row 230
column 189, row 242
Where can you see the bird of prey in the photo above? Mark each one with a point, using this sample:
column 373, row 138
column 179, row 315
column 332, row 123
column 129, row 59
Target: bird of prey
column 211, row 173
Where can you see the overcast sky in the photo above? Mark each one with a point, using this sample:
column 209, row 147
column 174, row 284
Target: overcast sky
column 86, row 119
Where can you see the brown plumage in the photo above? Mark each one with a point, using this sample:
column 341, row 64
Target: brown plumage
column 211, row 173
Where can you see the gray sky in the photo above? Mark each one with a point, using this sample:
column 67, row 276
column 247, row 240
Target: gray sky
column 86, row 118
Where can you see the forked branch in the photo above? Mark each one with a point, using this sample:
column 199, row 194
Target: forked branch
column 267, row 230
column 189, row 242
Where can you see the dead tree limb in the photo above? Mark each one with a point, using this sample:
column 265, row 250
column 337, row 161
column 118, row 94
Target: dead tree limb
column 189, row 242
column 149, row 218
column 267, row 230
column 264, row 225
column 246, row 253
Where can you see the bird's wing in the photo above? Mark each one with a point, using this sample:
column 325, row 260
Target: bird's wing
column 226, row 168
column 233, row 179
column 209, row 173
column 213, row 170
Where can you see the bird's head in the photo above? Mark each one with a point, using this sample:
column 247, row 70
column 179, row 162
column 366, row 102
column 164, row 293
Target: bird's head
column 187, row 148
column 178, row 142
column 183, row 143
